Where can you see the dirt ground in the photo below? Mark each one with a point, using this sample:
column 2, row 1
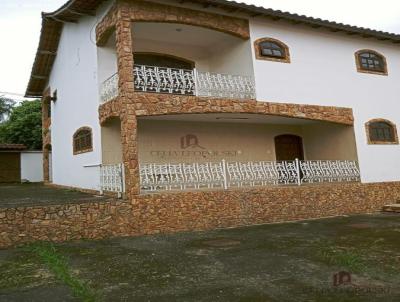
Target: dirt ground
column 278, row 262
column 37, row 194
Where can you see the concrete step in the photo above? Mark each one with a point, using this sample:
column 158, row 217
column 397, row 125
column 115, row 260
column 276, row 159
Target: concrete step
column 394, row 208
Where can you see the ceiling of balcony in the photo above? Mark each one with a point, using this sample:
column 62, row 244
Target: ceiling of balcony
column 232, row 118
column 180, row 34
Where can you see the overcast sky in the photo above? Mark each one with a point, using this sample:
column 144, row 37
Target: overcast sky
column 20, row 23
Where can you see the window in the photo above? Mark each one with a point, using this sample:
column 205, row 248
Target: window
column 370, row 61
column 271, row 50
column 380, row 131
column 82, row 140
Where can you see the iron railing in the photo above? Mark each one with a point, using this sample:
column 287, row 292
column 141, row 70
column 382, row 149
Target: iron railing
column 224, row 175
column 109, row 88
column 183, row 81
column 112, row 179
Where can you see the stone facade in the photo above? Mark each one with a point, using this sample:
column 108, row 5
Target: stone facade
column 149, row 214
column 147, row 104
column 138, row 11
column 46, row 134
column 129, row 104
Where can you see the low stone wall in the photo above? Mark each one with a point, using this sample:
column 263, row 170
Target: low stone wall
column 155, row 213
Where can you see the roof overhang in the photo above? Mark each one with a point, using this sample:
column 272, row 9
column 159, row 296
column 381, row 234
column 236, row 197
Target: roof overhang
column 12, row 147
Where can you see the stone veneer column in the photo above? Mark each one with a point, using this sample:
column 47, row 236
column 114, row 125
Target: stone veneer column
column 126, row 91
column 46, row 138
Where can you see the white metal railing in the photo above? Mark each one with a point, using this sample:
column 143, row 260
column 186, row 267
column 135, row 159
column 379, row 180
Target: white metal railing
column 192, row 82
column 183, row 81
column 163, row 80
column 209, row 84
column 225, row 175
column 112, row 178
column 109, row 88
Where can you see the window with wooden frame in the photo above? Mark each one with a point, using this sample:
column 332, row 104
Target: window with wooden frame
column 370, row 61
column 82, row 140
column 381, row 131
column 271, row 50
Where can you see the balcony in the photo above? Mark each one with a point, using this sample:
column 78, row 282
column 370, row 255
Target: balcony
column 226, row 175
column 154, row 79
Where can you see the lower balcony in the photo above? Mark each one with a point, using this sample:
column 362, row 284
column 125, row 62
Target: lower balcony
column 223, row 151
column 226, row 175
column 154, row 79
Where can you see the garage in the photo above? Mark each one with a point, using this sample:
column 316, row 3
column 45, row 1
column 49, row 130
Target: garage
column 10, row 162
column 18, row 164
column 10, row 167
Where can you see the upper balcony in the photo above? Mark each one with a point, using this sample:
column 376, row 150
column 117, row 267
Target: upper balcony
column 181, row 59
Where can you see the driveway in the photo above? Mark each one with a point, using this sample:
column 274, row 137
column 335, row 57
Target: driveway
column 353, row 258
column 37, row 194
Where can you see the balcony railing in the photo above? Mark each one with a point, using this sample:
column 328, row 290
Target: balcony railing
column 112, row 178
column 109, row 88
column 185, row 82
column 225, row 175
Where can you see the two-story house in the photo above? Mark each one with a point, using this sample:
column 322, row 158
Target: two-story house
column 218, row 99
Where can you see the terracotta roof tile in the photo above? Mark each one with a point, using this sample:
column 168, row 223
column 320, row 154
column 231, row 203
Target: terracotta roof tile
column 12, row 147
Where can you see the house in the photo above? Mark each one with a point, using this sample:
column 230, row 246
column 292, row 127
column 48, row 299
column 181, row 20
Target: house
column 211, row 97
column 18, row 164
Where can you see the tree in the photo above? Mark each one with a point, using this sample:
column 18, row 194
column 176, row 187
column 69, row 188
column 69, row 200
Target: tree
column 24, row 125
column 6, row 106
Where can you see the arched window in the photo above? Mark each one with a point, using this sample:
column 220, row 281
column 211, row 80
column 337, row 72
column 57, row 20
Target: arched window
column 370, row 61
column 161, row 60
column 380, row 131
column 82, row 140
column 271, row 50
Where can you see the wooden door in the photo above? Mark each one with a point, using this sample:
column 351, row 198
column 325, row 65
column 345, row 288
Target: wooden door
column 288, row 147
column 10, row 167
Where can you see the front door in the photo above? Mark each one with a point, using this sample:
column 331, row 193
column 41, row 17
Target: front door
column 288, row 147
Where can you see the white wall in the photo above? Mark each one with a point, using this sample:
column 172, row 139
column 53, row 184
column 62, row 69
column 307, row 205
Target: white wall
column 197, row 54
column 107, row 60
column 323, row 72
column 234, row 57
column 32, row 166
column 74, row 75
column 159, row 141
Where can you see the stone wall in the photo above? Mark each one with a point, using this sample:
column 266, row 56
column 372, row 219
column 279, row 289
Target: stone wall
column 46, row 134
column 148, row 104
column 172, row 212
column 141, row 11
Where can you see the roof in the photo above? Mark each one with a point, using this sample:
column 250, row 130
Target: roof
column 72, row 10
column 12, row 147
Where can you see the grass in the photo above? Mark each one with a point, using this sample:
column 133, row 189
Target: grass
column 59, row 266
column 342, row 257
column 20, row 273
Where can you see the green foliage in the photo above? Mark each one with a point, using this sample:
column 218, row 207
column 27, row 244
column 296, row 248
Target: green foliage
column 342, row 257
column 24, row 125
column 6, row 106
column 59, row 266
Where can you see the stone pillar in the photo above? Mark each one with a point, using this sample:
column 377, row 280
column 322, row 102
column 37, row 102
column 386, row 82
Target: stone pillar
column 46, row 137
column 126, row 94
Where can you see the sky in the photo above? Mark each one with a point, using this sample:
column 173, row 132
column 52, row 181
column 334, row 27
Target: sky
column 20, row 23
